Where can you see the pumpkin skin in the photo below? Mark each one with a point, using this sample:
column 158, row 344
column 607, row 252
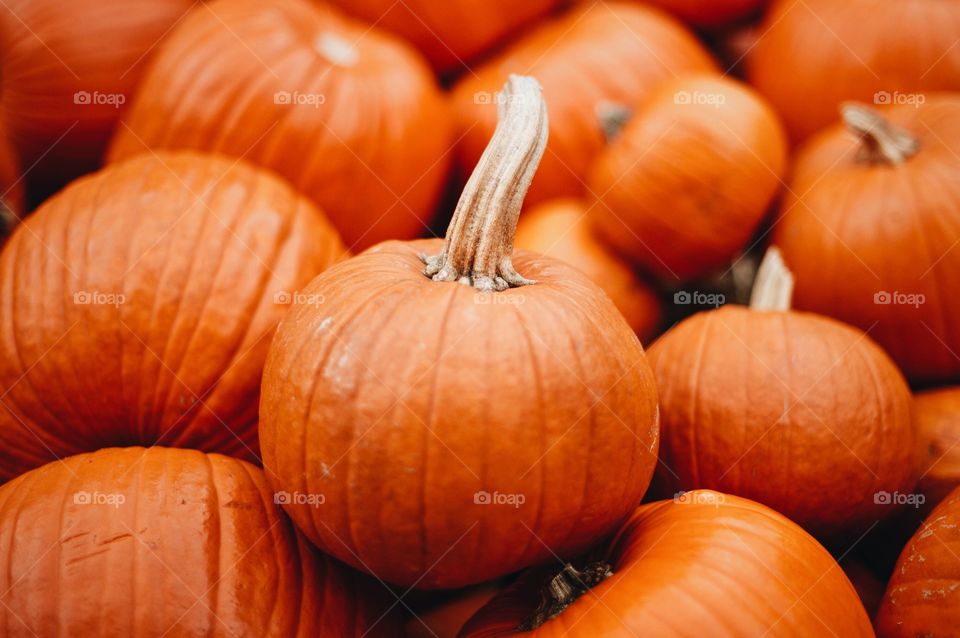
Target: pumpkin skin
column 401, row 443
column 611, row 52
column 851, row 231
column 936, row 416
column 238, row 77
column 161, row 541
column 812, row 56
column 559, row 228
column 136, row 307
column 682, row 189
column 452, row 33
column 793, row 410
column 55, row 55
column 698, row 548
column 923, row 595
column 710, row 13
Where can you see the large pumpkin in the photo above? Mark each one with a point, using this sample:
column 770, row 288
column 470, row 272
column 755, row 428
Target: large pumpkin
column 159, row 541
column 560, row 228
column 923, row 595
column 812, row 55
column 586, row 60
column 462, row 421
column 704, row 564
column 936, row 416
column 352, row 117
column 137, row 306
column 68, row 71
column 452, row 33
column 791, row 409
column 870, row 226
column 681, row 190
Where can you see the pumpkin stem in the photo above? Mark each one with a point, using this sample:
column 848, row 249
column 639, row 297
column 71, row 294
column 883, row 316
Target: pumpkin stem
column 883, row 143
column 613, row 117
column 773, row 287
column 479, row 240
column 563, row 589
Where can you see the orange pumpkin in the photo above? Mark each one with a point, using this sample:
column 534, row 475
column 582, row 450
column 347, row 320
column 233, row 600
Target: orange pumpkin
column 711, row 13
column 137, row 306
column 791, row 409
column 559, row 228
column 585, row 59
column 704, row 564
column 453, row 33
column 159, row 541
column 936, row 417
column 68, row 71
column 870, row 227
column 682, row 189
column 467, row 418
column 352, row 117
column 815, row 54
column 923, row 595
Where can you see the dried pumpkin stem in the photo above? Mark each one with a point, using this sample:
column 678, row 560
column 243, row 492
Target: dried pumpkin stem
column 773, row 287
column 563, row 589
column 479, row 241
column 883, row 143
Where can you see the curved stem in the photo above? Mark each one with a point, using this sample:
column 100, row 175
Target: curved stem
column 479, row 241
column 773, row 287
column 883, row 143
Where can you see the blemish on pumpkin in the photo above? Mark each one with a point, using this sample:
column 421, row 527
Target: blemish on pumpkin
column 324, row 325
column 336, row 50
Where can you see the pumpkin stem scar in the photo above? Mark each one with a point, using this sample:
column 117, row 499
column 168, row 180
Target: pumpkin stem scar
column 612, row 116
column 773, row 287
column 563, row 589
column 479, row 243
column 883, row 143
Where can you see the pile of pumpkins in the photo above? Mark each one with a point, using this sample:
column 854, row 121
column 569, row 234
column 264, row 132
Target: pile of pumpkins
column 242, row 395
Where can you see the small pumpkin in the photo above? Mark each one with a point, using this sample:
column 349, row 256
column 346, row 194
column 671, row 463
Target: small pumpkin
column 704, row 564
column 560, row 228
column 161, row 541
column 870, row 226
column 467, row 418
column 791, row 409
column 586, row 59
column 67, row 73
column 813, row 55
column 684, row 186
column 923, row 595
column 137, row 306
column 711, row 13
column 454, row 33
column 352, row 117
column 936, row 416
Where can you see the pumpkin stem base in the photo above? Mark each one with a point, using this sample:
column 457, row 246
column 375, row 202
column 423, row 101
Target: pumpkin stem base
column 563, row 589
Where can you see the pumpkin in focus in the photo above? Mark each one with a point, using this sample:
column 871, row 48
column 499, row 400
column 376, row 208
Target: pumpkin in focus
column 137, row 306
column 352, row 117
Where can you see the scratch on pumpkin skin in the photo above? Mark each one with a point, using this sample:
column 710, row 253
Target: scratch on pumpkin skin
column 74, row 561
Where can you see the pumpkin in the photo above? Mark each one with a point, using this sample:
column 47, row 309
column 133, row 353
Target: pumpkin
column 870, row 226
column 352, row 117
column 446, row 618
column 936, row 417
column 704, row 564
column 161, row 541
column 68, row 71
column 711, row 13
column 815, row 54
column 923, row 595
column 466, row 418
column 454, row 33
column 682, row 189
column 791, row 409
column 137, row 306
column 560, row 228
column 586, row 59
